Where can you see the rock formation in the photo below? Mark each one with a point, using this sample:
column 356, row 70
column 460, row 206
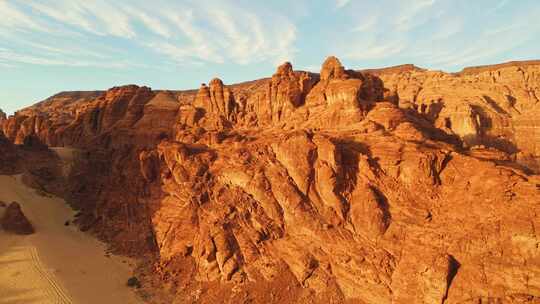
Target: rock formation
column 15, row 221
column 488, row 106
column 8, row 156
column 3, row 116
column 398, row 185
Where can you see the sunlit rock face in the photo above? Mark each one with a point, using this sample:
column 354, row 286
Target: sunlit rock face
column 397, row 185
column 491, row 106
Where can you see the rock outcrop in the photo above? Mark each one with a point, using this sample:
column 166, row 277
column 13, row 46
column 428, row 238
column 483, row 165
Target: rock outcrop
column 15, row 221
column 8, row 156
column 487, row 106
column 3, row 116
column 399, row 185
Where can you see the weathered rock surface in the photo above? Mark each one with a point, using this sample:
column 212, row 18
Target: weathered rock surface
column 398, row 185
column 15, row 221
column 490, row 106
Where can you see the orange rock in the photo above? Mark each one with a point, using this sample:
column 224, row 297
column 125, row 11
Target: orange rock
column 398, row 185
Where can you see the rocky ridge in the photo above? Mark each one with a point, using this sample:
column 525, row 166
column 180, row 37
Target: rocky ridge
column 399, row 185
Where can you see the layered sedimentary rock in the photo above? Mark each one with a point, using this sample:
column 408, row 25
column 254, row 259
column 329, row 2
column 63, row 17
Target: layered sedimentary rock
column 398, row 185
column 489, row 106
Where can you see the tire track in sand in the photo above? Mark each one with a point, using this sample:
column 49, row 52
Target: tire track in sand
column 57, row 290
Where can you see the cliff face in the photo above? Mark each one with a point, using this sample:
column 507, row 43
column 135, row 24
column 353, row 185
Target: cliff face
column 381, row 186
column 494, row 107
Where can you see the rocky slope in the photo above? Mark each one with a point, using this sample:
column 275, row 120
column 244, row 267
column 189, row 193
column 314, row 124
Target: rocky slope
column 397, row 185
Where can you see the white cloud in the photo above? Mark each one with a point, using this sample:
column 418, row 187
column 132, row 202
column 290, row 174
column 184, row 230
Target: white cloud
column 213, row 31
column 96, row 16
column 252, row 40
column 10, row 58
column 153, row 24
column 198, row 45
column 436, row 34
column 13, row 18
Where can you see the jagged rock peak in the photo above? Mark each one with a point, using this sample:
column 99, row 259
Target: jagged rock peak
column 203, row 90
column 216, row 82
column 3, row 115
column 284, row 69
column 332, row 69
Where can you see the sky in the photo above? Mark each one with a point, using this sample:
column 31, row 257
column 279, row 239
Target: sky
column 48, row 46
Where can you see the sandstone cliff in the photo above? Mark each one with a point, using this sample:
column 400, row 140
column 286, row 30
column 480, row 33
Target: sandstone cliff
column 486, row 106
column 398, row 185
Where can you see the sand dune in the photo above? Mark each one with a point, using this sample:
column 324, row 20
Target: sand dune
column 57, row 264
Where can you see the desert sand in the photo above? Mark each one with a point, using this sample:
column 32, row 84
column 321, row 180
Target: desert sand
column 57, row 264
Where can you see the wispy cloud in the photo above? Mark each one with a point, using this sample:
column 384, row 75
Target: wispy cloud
column 13, row 18
column 367, row 24
column 164, row 32
column 97, row 17
column 409, row 15
column 187, row 33
column 10, row 58
column 440, row 34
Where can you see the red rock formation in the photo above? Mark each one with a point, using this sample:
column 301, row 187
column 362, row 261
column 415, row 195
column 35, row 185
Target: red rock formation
column 15, row 221
column 393, row 186
column 216, row 104
column 490, row 106
column 2, row 117
column 287, row 91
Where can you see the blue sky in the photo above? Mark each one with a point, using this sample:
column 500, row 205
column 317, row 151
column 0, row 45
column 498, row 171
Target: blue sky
column 48, row 46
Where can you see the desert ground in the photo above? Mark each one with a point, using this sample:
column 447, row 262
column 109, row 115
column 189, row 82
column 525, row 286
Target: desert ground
column 57, row 264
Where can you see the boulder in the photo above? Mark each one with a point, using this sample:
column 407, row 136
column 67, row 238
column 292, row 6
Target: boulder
column 15, row 221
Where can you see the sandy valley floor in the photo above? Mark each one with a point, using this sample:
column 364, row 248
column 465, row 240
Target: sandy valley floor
column 57, row 264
